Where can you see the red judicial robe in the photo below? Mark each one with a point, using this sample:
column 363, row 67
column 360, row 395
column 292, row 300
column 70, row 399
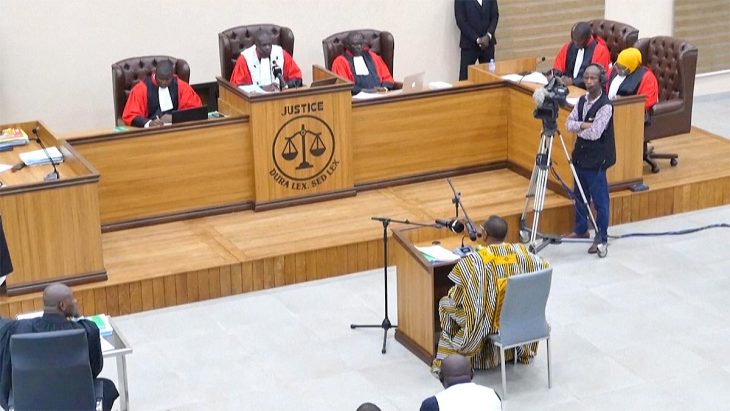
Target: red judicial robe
column 641, row 82
column 342, row 67
column 596, row 49
column 143, row 103
column 242, row 76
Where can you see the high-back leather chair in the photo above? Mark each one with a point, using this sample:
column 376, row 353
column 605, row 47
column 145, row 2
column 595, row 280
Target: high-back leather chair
column 233, row 41
column 130, row 71
column 674, row 63
column 617, row 35
column 380, row 42
column 51, row 371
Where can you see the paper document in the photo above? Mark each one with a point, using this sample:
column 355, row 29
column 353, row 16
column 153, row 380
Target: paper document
column 369, row 96
column 252, row 89
column 572, row 100
column 105, row 345
column 102, row 321
column 39, row 157
column 438, row 253
column 5, row 167
column 438, row 85
column 536, row 77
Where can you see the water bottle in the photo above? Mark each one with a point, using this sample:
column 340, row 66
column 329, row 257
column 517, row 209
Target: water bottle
column 492, row 66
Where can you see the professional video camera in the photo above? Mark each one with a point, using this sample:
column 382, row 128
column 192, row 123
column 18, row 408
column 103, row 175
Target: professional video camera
column 548, row 101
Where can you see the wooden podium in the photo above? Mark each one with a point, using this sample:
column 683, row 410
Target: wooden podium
column 300, row 139
column 52, row 227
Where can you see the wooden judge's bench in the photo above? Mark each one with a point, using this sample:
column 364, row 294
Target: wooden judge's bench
column 275, row 150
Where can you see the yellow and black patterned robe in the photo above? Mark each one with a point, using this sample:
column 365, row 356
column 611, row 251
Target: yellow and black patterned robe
column 468, row 312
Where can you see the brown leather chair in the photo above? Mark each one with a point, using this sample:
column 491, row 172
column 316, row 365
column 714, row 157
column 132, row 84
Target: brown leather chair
column 128, row 72
column 381, row 42
column 674, row 63
column 233, row 41
column 617, row 35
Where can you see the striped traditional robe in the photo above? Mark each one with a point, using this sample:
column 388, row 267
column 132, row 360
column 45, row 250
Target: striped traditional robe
column 468, row 311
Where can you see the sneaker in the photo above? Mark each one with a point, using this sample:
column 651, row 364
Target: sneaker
column 576, row 235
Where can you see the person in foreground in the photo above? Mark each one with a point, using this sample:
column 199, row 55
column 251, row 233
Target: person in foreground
column 362, row 66
column 575, row 55
column 260, row 63
column 470, row 311
column 460, row 393
column 152, row 100
column 477, row 21
column 59, row 313
column 594, row 152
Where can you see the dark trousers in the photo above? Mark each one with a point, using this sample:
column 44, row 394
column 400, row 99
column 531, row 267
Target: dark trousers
column 110, row 394
column 470, row 56
column 595, row 187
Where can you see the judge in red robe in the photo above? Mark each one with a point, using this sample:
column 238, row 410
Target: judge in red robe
column 583, row 49
column 629, row 78
column 265, row 64
column 152, row 100
column 362, row 66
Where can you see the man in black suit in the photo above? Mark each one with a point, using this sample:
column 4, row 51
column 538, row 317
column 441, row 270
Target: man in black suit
column 477, row 21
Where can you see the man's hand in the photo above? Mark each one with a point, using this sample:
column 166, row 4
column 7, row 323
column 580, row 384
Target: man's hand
column 270, row 88
column 567, row 80
column 157, row 122
column 166, row 119
column 483, row 41
column 585, row 125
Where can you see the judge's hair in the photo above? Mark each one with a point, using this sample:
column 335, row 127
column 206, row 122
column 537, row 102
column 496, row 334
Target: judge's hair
column 581, row 30
column 495, row 227
column 164, row 67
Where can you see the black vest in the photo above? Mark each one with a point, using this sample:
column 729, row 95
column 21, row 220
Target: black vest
column 630, row 85
column 595, row 154
column 153, row 101
column 587, row 58
column 372, row 80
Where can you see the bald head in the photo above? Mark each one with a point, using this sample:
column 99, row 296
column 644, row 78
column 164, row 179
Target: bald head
column 264, row 43
column 354, row 42
column 368, row 406
column 580, row 34
column 496, row 228
column 455, row 369
column 59, row 299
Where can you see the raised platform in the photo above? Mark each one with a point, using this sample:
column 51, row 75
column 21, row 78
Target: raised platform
column 194, row 260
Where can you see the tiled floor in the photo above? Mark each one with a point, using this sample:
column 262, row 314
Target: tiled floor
column 643, row 329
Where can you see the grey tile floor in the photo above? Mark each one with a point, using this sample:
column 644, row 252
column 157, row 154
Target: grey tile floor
column 643, row 329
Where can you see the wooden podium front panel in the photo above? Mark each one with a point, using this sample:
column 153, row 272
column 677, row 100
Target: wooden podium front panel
column 400, row 137
column 301, row 145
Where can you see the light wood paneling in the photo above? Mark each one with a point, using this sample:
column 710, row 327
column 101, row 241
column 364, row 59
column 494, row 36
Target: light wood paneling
column 704, row 23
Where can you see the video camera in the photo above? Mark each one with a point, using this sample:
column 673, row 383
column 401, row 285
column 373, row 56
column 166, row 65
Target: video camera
column 548, row 101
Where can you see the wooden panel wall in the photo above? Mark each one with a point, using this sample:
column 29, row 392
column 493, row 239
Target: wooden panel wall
column 705, row 24
column 540, row 28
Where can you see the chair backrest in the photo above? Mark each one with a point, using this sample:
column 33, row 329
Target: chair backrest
column 523, row 311
column 381, row 42
column 674, row 63
column 617, row 35
column 51, row 371
column 233, row 41
column 130, row 71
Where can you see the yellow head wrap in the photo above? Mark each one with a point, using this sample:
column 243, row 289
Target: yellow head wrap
column 629, row 58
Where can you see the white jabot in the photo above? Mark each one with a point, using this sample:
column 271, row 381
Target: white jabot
column 615, row 84
column 165, row 99
column 360, row 68
column 265, row 72
column 578, row 62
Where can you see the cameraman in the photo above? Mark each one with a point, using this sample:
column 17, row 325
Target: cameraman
column 594, row 152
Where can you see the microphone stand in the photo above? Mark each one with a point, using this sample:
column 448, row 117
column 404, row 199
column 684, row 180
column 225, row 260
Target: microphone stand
column 53, row 175
column 386, row 324
column 458, row 204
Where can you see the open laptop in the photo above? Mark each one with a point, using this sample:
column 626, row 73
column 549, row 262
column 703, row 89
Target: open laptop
column 324, row 82
column 191, row 114
column 413, row 83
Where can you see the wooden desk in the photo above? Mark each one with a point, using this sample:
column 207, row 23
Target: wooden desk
column 52, row 227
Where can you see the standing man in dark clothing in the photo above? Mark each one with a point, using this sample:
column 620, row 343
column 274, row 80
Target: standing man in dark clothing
column 59, row 313
column 477, row 21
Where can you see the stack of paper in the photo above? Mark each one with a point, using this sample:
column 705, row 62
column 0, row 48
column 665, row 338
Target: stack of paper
column 13, row 137
column 102, row 321
column 38, row 157
column 437, row 253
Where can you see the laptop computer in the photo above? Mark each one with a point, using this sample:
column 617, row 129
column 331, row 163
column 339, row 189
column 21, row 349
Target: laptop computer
column 323, row 82
column 413, row 83
column 191, row 114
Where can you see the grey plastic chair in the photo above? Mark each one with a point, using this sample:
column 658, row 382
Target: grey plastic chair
column 522, row 320
column 51, row 371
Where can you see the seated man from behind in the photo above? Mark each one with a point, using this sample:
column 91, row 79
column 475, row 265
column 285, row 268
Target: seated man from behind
column 583, row 49
column 460, row 393
column 260, row 63
column 629, row 78
column 59, row 313
column 362, row 66
column 470, row 311
column 153, row 99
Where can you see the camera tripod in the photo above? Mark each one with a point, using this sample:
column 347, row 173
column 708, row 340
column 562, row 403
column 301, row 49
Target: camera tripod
column 536, row 193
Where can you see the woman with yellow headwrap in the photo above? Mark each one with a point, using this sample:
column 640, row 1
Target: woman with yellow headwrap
column 629, row 78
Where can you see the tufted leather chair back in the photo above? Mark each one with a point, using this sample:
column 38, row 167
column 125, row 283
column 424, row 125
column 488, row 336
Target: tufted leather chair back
column 233, row 41
column 674, row 63
column 381, row 42
column 617, row 35
column 128, row 72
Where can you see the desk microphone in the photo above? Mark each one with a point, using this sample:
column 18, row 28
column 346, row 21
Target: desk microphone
column 455, row 226
column 53, row 175
column 279, row 74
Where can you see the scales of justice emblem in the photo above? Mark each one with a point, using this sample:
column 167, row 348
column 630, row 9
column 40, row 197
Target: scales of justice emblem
column 297, row 155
